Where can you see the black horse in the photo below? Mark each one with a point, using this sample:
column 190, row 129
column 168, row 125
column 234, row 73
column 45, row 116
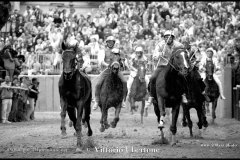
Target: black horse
column 139, row 90
column 75, row 93
column 169, row 88
column 111, row 95
column 212, row 90
column 195, row 87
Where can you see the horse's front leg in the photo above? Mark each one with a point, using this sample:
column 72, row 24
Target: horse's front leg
column 186, row 113
column 173, row 127
column 116, row 119
column 161, row 107
column 80, row 106
column 63, row 116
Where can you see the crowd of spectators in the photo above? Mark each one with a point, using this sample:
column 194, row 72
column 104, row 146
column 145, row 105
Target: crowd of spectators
column 38, row 35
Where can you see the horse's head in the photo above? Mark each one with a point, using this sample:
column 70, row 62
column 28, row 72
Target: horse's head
column 209, row 70
column 115, row 67
column 69, row 63
column 180, row 61
column 141, row 72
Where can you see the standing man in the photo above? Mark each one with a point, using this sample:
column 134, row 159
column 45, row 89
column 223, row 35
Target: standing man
column 6, row 96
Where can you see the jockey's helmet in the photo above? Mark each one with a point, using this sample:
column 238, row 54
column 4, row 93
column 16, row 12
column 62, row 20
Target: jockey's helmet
column 139, row 51
column 110, row 41
column 169, row 37
column 169, row 33
column 210, row 52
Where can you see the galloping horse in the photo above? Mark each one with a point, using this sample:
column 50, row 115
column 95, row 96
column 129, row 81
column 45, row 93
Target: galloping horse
column 111, row 95
column 212, row 90
column 195, row 100
column 139, row 90
column 169, row 87
column 75, row 93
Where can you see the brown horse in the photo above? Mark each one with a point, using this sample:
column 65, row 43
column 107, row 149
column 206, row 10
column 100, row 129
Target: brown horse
column 139, row 90
column 75, row 94
column 111, row 95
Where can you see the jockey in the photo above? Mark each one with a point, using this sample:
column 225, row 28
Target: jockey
column 114, row 56
column 195, row 58
column 162, row 53
column 136, row 58
column 210, row 52
column 72, row 44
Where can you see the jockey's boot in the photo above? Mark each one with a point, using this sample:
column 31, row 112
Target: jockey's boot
column 222, row 96
column 184, row 99
column 149, row 102
column 95, row 106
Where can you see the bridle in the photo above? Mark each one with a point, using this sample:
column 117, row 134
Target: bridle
column 178, row 68
column 73, row 67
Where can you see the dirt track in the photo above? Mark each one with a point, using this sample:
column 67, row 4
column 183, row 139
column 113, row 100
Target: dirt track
column 41, row 139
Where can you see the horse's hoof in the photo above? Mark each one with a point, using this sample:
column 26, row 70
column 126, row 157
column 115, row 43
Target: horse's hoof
column 64, row 135
column 184, row 123
column 106, row 126
column 90, row 133
column 164, row 141
column 78, row 150
column 75, row 134
column 113, row 125
column 70, row 124
column 102, row 129
column 173, row 144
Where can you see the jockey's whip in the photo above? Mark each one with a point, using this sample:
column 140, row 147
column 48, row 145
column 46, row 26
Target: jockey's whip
column 163, row 50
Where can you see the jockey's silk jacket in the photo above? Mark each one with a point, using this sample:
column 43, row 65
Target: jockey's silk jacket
column 164, row 50
column 134, row 62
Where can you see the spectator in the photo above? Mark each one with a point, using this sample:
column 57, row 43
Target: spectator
column 6, row 97
column 32, row 97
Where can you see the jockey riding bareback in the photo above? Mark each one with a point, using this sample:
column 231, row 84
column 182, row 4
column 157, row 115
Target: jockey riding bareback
column 162, row 54
column 112, row 53
column 136, row 58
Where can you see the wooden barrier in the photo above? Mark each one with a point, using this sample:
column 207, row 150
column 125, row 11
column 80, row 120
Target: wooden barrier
column 236, row 102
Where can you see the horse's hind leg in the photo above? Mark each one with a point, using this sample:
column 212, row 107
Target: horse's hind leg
column 63, row 116
column 214, row 106
column 116, row 119
column 200, row 120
